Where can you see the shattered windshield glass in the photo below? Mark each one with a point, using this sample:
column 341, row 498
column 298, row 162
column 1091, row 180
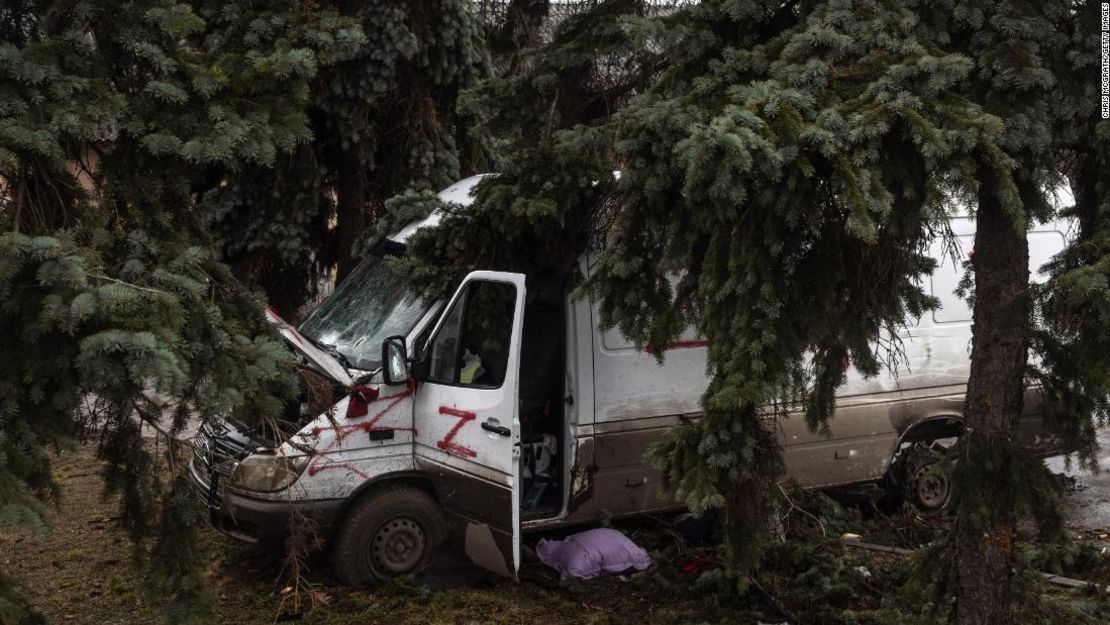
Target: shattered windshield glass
column 373, row 303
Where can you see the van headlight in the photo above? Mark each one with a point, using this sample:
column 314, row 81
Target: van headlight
column 268, row 473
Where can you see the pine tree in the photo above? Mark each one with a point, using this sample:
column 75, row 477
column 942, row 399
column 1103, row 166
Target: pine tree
column 1073, row 309
column 512, row 28
column 783, row 172
column 784, row 164
column 545, row 121
column 1015, row 48
column 788, row 170
column 112, row 117
column 384, row 120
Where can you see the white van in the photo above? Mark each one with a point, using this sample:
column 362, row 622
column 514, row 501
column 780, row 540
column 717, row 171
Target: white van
column 534, row 418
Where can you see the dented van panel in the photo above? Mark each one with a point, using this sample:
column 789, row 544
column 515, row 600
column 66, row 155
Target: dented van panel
column 582, row 478
column 475, row 510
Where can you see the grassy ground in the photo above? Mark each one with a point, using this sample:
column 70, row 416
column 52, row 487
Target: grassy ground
column 79, row 571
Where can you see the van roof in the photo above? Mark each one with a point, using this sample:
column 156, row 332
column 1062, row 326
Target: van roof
column 460, row 193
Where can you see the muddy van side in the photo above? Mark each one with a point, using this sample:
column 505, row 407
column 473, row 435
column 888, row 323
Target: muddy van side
column 505, row 409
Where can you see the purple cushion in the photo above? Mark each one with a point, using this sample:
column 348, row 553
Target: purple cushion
column 592, row 553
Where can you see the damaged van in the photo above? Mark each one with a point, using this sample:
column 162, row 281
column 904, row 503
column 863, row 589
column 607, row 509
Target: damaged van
column 492, row 414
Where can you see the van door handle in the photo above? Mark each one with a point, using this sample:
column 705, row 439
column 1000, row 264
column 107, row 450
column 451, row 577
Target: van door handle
column 496, row 429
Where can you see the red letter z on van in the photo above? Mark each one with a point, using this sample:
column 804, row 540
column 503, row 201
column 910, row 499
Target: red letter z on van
column 448, row 443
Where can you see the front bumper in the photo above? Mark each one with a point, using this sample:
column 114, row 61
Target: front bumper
column 258, row 521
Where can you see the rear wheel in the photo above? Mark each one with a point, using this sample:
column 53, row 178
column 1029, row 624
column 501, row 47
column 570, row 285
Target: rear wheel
column 388, row 533
column 925, row 479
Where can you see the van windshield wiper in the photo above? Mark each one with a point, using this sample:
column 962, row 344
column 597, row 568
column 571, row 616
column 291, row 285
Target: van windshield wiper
column 338, row 355
column 331, row 351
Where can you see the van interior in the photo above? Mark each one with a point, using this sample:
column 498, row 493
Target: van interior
column 542, row 408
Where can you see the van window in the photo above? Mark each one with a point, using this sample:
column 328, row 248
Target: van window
column 444, row 350
column 1043, row 245
column 614, row 340
column 946, row 279
column 375, row 302
column 471, row 348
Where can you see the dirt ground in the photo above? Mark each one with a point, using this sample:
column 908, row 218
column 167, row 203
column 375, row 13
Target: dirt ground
column 78, row 571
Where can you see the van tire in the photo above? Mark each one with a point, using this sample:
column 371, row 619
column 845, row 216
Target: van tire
column 390, row 532
column 927, row 480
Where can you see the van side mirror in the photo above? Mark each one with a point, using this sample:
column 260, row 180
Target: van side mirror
column 395, row 360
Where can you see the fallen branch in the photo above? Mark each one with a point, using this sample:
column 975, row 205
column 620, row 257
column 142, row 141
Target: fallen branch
column 100, row 276
column 794, row 506
column 1051, row 578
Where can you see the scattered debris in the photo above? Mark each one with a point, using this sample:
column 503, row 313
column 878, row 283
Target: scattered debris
column 853, row 540
column 699, row 564
column 1058, row 580
column 300, row 595
column 1069, row 483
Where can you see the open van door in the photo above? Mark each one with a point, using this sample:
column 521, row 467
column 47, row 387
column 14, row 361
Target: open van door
column 465, row 416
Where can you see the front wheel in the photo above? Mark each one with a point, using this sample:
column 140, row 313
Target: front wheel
column 388, row 533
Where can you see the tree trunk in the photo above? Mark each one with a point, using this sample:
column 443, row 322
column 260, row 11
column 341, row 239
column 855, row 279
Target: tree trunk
column 520, row 30
column 986, row 524
column 1085, row 189
column 352, row 210
column 752, row 514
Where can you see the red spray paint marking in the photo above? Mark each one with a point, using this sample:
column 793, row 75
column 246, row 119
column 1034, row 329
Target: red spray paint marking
column 316, row 468
column 366, row 426
column 448, row 443
column 341, row 431
column 650, row 348
column 284, row 325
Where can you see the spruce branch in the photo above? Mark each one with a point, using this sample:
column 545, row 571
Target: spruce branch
column 794, row 506
column 100, row 276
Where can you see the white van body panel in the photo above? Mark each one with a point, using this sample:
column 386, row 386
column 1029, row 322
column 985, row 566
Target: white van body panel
column 637, row 399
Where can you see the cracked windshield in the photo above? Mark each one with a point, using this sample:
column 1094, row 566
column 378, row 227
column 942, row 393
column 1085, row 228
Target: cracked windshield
column 372, row 304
